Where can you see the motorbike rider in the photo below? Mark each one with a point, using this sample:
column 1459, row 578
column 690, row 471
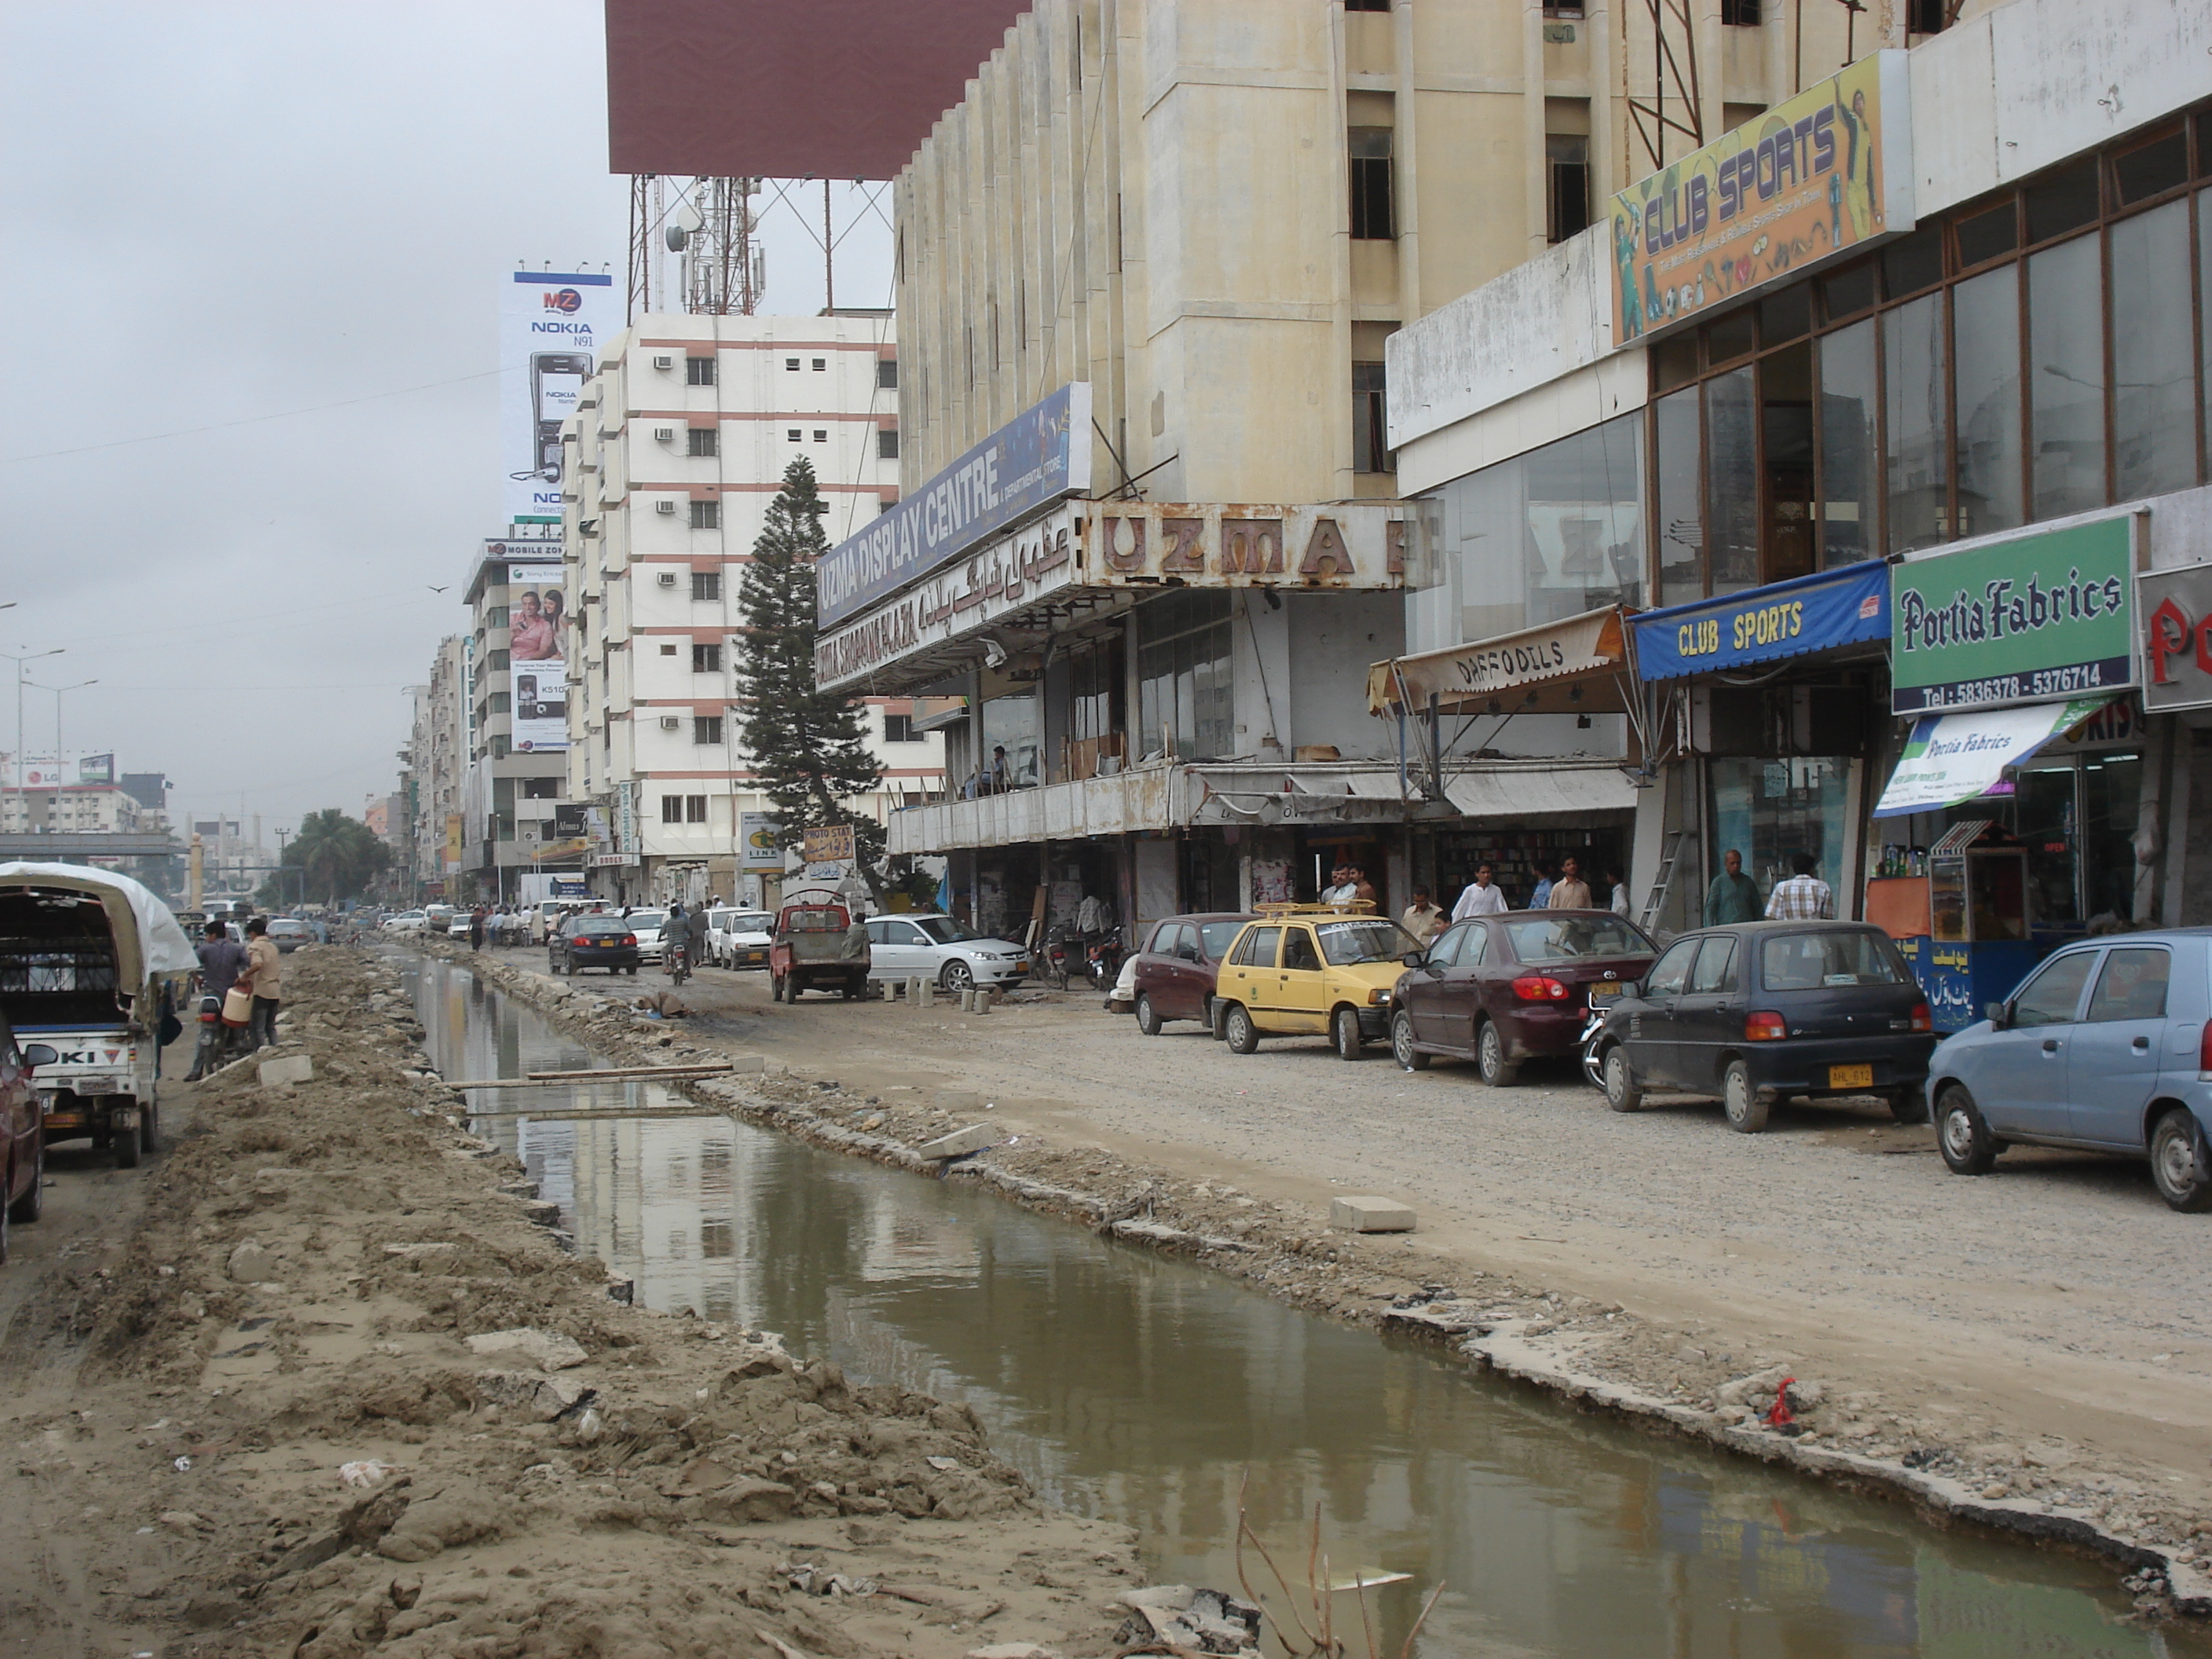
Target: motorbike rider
column 222, row 960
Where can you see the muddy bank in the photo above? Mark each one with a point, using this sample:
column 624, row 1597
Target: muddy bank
column 341, row 1392
column 1682, row 1377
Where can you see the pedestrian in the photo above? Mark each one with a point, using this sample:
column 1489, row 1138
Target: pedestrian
column 994, row 777
column 476, row 928
column 222, row 960
column 1570, row 891
column 1341, row 889
column 264, row 973
column 1423, row 919
column 1734, row 896
column 1804, row 897
column 1542, row 898
column 1481, row 897
column 695, row 936
column 1363, row 891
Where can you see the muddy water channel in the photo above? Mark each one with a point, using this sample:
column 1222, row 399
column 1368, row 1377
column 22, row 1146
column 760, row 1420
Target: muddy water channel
column 1147, row 1390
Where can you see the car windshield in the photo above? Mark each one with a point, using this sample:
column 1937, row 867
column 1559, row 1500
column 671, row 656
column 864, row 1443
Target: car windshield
column 1806, row 962
column 646, row 920
column 290, row 927
column 945, row 930
column 749, row 921
column 1370, row 938
column 1563, row 939
column 1217, row 935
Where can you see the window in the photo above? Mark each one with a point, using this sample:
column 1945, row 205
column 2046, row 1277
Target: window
column 1671, row 971
column 668, row 650
column 821, row 364
column 887, row 374
column 705, row 658
column 1567, row 177
column 1258, row 949
column 1715, row 973
column 498, row 747
column 501, row 702
column 887, row 443
column 706, row 729
column 1183, row 676
column 2153, row 353
column 1371, row 438
column 791, row 364
column 699, row 371
column 1298, row 951
column 1370, row 152
column 495, row 660
column 671, row 809
column 2050, row 998
column 821, row 434
column 1806, row 962
column 1367, row 5
column 496, row 616
column 1744, row 13
column 703, row 440
column 706, row 515
column 899, row 728
column 706, row 585
column 695, row 809
column 1928, row 17
column 2133, row 984
column 793, row 435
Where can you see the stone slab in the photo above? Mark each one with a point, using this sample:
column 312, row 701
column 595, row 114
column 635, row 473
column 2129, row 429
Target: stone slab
column 1370, row 1215
column 961, row 1142
column 545, row 1350
column 286, row 1068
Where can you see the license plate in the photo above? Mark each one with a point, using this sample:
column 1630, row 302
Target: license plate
column 1021, row 967
column 94, row 1086
column 1850, row 1077
column 1606, row 990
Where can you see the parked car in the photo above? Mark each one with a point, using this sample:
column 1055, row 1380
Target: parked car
column 459, row 926
column 648, row 925
column 740, row 938
column 593, row 941
column 2106, row 1047
column 1502, row 989
column 1310, row 971
column 408, row 922
column 938, row 947
column 1763, row 1010
column 22, row 1141
column 289, row 935
column 1175, row 973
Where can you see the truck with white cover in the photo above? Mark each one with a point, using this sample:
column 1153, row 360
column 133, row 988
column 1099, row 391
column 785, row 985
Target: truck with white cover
column 85, row 955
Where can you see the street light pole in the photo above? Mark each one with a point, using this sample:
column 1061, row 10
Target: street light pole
column 57, row 690
column 21, row 794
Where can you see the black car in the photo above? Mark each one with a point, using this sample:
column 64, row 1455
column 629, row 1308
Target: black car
column 1762, row 1010
column 590, row 941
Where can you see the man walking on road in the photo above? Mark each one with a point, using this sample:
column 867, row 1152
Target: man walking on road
column 694, row 936
column 476, row 928
column 1734, row 896
column 264, row 973
column 1570, row 891
column 1804, row 896
column 1422, row 919
column 1481, row 897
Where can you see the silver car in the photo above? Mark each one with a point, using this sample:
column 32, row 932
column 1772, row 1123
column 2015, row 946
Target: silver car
column 2105, row 1046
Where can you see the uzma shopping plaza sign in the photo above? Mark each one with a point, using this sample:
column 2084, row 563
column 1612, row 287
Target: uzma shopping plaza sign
column 2030, row 619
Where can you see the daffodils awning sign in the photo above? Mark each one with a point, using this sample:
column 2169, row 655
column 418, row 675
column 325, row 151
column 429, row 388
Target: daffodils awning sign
column 1809, row 178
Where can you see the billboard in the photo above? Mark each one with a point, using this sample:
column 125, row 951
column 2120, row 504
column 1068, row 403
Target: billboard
column 760, row 849
column 1826, row 171
column 95, row 769
column 537, row 670
column 1027, row 465
column 552, row 327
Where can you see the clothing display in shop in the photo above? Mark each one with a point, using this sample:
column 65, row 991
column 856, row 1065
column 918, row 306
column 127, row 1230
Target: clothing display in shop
column 1093, row 915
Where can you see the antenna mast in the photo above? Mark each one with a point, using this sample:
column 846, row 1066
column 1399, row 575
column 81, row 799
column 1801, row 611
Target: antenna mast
column 723, row 270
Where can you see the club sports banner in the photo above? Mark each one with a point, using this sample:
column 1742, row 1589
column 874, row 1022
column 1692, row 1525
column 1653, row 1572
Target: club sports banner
column 1824, row 172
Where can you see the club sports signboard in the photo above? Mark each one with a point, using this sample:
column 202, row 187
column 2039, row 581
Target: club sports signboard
column 2032, row 618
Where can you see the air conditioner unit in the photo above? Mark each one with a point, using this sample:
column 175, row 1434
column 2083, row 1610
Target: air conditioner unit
column 666, row 579
column 665, row 434
column 671, row 722
column 664, row 360
column 667, row 508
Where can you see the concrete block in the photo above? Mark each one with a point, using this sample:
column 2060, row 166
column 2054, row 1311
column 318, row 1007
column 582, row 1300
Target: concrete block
column 747, row 1064
column 929, row 993
column 545, row 1351
column 251, row 1264
column 540, row 1397
column 286, row 1068
column 961, row 1142
column 957, row 1100
column 1370, row 1215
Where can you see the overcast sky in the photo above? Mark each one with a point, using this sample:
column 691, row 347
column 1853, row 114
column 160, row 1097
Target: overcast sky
column 215, row 214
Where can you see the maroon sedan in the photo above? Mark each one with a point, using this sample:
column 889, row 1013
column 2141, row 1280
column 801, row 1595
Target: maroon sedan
column 22, row 1140
column 1501, row 990
column 1175, row 970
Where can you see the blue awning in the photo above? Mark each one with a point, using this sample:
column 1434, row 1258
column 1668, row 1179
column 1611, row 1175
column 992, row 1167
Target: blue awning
column 1849, row 606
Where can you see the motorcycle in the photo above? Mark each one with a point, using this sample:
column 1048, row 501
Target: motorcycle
column 1103, row 960
column 678, row 958
column 217, row 1040
column 1057, row 957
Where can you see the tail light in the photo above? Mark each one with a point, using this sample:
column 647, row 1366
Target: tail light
column 2204, row 1049
column 1921, row 1020
column 629, row 938
column 1765, row 1028
column 1539, row 987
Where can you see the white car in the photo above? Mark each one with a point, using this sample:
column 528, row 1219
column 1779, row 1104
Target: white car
column 938, row 947
column 647, row 925
column 407, row 922
column 740, row 938
column 459, row 926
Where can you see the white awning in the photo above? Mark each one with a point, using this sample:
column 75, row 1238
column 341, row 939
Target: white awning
column 1514, row 793
column 1950, row 758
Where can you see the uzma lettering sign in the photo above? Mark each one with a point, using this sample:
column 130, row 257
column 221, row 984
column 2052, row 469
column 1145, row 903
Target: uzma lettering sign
column 2029, row 619
column 1149, row 544
column 1824, row 172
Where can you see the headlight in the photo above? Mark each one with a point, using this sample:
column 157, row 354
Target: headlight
column 1378, row 998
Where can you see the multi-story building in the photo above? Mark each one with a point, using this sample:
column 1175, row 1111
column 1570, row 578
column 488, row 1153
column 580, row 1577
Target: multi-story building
column 678, row 445
column 75, row 807
column 438, row 762
column 1885, row 413
column 1213, row 215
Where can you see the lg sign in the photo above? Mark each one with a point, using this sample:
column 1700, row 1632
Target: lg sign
column 564, row 300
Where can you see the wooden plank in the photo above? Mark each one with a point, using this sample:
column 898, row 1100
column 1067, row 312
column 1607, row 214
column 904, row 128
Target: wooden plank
column 612, row 1074
column 570, row 1114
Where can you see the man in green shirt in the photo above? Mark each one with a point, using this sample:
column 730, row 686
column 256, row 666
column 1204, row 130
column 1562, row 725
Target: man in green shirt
column 1734, row 896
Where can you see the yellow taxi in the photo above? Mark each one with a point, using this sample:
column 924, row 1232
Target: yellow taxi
column 1311, row 970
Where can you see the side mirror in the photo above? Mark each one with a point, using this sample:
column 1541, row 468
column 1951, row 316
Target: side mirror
column 39, row 1053
column 1999, row 1015
column 1415, row 959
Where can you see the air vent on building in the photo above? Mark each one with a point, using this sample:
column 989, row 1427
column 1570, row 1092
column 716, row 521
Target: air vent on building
column 667, row 508
column 666, row 579
column 671, row 722
column 663, row 362
column 665, row 434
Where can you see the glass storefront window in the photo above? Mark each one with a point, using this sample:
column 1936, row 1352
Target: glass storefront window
column 1918, row 425
column 1785, row 400
column 1675, row 426
column 2154, row 355
column 1771, row 809
column 2066, row 386
column 1848, row 445
column 1732, row 480
column 1184, row 677
column 1986, row 336
column 2112, row 793
column 2043, row 818
column 1011, row 721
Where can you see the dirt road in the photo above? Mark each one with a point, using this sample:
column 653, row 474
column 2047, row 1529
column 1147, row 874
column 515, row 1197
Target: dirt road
column 2045, row 1330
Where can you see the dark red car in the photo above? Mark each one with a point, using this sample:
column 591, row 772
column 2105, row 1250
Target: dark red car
column 1175, row 970
column 22, row 1140
column 1501, row 990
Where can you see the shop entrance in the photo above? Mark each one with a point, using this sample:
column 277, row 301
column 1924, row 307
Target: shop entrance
column 1771, row 809
column 1519, row 858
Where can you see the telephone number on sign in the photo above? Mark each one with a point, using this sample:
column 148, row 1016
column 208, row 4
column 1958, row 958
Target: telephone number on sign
column 2012, row 688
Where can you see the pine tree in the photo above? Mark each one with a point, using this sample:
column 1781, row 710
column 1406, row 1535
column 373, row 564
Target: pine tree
column 808, row 747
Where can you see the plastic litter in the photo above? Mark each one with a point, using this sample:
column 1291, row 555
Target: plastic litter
column 366, row 1472
column 183, row 1465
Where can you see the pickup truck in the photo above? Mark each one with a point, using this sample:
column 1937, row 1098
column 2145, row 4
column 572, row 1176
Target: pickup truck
column 85, row 955
column 809, row 952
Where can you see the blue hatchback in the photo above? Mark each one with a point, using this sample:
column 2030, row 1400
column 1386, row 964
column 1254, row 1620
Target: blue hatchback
column 2105, row 1046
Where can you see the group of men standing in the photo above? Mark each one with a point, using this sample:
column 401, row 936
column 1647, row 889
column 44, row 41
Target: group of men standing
column 1733, row 897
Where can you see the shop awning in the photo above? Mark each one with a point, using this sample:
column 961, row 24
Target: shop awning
column 1536, row 670
column 1849, row 606
column 1553, row 792
column 1950, row 758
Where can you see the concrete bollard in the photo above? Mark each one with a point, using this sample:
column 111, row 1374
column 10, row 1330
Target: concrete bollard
column 912, row 989
column 983, row 1001
column 928, row 994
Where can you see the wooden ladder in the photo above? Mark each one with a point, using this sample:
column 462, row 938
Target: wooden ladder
column 1663, row 880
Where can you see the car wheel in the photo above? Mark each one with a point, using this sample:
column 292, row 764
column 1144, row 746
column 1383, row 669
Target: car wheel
column 1962, row 1134
column 1401, row 1044
column 1238, row 1031
column 2179, row 1163
column 1622, row 1092
column 852, row 990
column 1148, row 1017
column 1498, row 1071
column 125, row 1148
column 1909, row 1105
column 775, row 987
column 33, row 1204
column 1344, row 1034
column 956, row 976
column 1746, row 1112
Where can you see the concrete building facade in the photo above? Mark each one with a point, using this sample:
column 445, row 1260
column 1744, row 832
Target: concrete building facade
column 438, row 762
